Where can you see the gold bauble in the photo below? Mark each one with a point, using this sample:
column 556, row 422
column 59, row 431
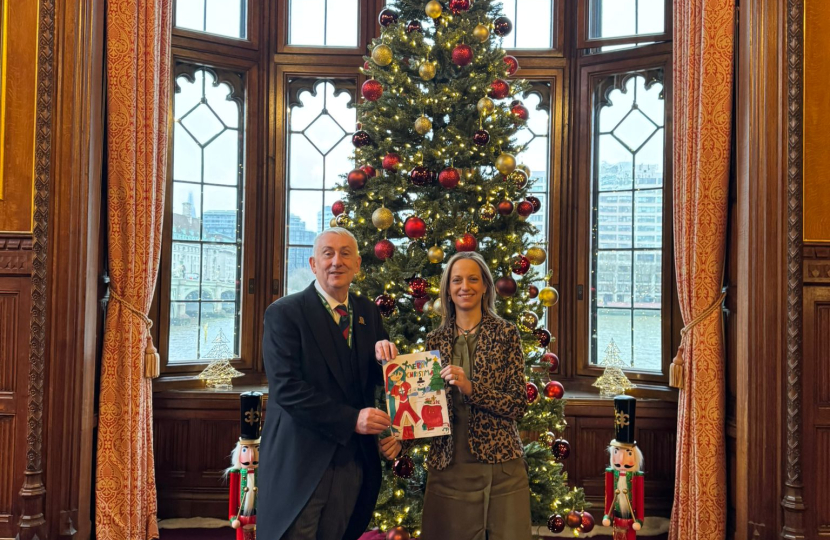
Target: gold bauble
column 343, row 220
column 518, row 178
column 427, row 70
column 422, row 125
column 506, row 164
column 525, row 168
column 548, row 438
column 436, row 306
column 333, row 222
column 435, row 254
column 433, row 9
column 548, row 296
column 487, row 212
column 481, row 33
column 485, row 106
column 536, row 255
column 528, row 321
column 382, row 218
column 382, row 55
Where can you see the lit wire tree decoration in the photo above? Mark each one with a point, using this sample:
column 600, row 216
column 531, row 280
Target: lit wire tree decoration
column 219, row 372
column 613, row 381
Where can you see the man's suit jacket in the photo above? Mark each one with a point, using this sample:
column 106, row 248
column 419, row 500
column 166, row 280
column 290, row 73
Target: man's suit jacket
column 317, row 386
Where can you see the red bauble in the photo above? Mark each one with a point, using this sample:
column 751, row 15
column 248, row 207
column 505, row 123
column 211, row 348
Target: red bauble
column 561, row 449
column 574, row 519
column 384, row 249
column 554, row 390
column 387, row 17
column 537, row 204
column 399, row 533
column 543, row 336
column 449, row 178
column 414, row 26
column 366, row 66
column 386, row 304
column 462, row 55
column 404, row 467
column 553, row 360
column 361, row 139
column 524, row 208
column 587, row 522
column 481, row 137
column 556, row 523
column 505, row 207
column 419, row 303
column 533, row 291
column 357, row 179
column 499, row 89
column 391, row 161
column 502, row 26
column 506, row 286
column 512, row 65
column 467, row 242
column 418, row 287
column 532, row 392
column 520, row 265
column 421, row 176
column 338, row 208
column 414, row 227
column 457, row 6
column 519, row 111
column 369, row 170
column 372, row 90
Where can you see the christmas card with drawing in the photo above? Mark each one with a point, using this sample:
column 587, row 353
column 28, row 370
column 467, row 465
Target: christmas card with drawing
column 415, row 396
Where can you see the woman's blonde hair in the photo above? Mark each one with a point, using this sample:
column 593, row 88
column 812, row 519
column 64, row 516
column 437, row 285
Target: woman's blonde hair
column 488, row 301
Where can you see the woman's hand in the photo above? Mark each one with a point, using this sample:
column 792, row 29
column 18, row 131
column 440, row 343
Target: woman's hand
column 390, row 447
column 455, row 376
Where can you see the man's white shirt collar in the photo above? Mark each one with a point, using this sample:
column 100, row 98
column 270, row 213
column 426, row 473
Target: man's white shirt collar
column 333, row 303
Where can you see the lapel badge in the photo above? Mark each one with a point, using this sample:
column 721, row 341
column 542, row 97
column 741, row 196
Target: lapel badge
column 361, row 321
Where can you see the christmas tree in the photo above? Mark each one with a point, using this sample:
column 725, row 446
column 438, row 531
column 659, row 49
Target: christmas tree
column 613, row 381
column 219, row 372
column 437, row 173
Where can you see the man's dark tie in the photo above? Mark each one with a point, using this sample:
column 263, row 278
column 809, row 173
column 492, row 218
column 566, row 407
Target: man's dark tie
column 344, row 320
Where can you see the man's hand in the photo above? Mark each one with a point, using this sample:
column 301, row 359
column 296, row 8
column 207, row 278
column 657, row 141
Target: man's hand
column 385, row 350
column 390, row 447
column 372, row 421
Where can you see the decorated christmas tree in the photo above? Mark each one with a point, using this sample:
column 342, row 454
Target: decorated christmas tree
column 613, row 381
column 437, row 173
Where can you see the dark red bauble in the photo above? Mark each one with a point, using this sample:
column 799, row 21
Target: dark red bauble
column 512, row 65
column 419, row 303
column 421, row 176
column 573, row 519
column 561, row 449
column 361, row 139
column 505, row 207
column 418, row 287
column 554, row 390
column 524, row 208
column 553, row 360
column 384, row 249
column 391, row 161
column 587, row 522
column 414, row 227
column 366, row 66
column 414, row 26
column 532, row 392
column 519, row 111
column 357, row 179
column 404, row 467
column 386, row 305
column 372, row 90
column 337, row 208
column 537, row 204
column 556, row 523
column 502, row 26
column 449, row 177
column 543, row 336
column 499, row 89
column 533, row 291
column 520, row 265
column 399, row 533
column 458, row 6
column 462, row 55
column 506, row 286
column 369, row 170
column 387, row 17
column 481, row 137
column 467, row 242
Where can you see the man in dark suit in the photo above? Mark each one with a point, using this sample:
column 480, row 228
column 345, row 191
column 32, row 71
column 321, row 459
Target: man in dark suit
column 319, row 473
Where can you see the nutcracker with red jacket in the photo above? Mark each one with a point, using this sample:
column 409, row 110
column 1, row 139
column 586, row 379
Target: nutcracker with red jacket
column 244, row 466
column 624, row 478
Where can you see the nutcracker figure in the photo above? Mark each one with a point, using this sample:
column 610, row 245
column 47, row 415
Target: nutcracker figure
column 243, row 470
column 624, row 478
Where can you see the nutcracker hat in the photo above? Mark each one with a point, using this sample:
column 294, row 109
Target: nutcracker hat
column 625, row 408
column 250, row 407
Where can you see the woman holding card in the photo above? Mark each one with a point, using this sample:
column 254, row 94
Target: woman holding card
column 477, row 487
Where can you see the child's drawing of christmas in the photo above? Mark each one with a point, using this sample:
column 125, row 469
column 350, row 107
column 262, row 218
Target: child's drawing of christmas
column 415, row 396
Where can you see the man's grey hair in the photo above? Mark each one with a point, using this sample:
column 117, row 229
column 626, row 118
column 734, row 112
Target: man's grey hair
column 334, row 230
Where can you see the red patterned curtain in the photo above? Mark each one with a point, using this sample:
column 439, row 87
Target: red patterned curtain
column 138, row 96
column 702, row 90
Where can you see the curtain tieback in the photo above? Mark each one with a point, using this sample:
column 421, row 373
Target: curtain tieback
column 151, row 356
column 676, row 368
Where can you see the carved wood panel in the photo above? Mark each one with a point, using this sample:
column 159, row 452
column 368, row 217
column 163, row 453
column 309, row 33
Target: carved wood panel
column 822, row 481
column 7, row 429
